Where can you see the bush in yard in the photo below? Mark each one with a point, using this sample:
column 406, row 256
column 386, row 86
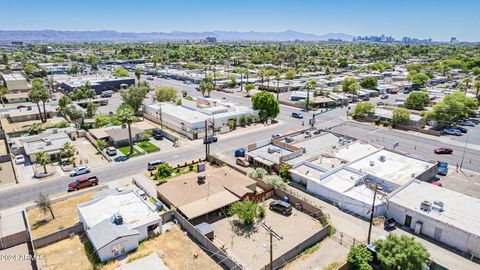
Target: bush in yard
column 377, row 121
column 101, row 144
column 401, row 252
column 283, row 171
column 190, row 167
column 261, row 172
column 243, row 120
column 360, row 257
column 253, row 174
column 362, row 110
column 385, row 123
column 164, row 171
column 275, row 181
column 246, row 211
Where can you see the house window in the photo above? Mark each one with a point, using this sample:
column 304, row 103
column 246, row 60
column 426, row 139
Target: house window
column 118, row 249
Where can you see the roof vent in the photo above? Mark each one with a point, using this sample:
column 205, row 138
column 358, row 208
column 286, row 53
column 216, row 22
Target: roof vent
column 117, row 219
column 307, row 172
column 372, row 163
column 425, row 206
column 201, row 179
column 382, row 158
column 272, row 150
column 48, row 142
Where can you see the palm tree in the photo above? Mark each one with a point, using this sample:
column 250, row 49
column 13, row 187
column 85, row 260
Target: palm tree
column 309, row 86
column 278, row 76
column 67, row 150
column 43, row 159
column 126, row 115
column 44, row 204
column 3, row 92
column 34, row 128
column 138, row 73
column 206, row 86
column 34, row 96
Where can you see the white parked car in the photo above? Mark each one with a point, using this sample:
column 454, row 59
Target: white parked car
column 80, row 170
column 19, row 159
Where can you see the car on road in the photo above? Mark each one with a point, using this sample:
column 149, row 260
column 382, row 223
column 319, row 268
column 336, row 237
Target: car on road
column 452, row 131
column 19, row 159
column 281, row 206
column 467, row 123
column 442, row 168
column 210, row 139
column 384, row 96
column 297, row 115
column 150, row 78
column 389, row 224
column 242, row 162
column 462, row 129
column 308, row 134
column 21, row 107
column 157, row 135
column 474, row 120
column 82, row 183
column 80, row 170
column 120, row 159
column 274, row 136
column 380, row 103
column 443, row 150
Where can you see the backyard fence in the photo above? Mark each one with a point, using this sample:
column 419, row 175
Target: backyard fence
column 15, row 238
column 57, row 236
column 213, row 250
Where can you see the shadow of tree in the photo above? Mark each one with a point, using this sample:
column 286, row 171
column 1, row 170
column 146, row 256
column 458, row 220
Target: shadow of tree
column 241, row 229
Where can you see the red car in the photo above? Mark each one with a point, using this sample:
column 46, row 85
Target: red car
column 443, row 150
column 21, row 107
column 83, row 182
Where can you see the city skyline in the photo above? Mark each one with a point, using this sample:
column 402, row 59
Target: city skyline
column 439, row 20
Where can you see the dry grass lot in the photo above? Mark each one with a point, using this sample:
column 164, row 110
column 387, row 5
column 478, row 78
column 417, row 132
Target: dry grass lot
column 6, row 173
column 176, row 250
column 65, row 212
column 67, row 254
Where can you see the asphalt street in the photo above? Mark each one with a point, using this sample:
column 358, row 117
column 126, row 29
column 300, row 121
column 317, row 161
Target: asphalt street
column 410, row 143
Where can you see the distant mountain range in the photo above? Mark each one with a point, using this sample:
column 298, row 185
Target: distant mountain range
column 114, row 36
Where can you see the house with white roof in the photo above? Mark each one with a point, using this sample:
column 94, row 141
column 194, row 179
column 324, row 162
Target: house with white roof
column 116, row 222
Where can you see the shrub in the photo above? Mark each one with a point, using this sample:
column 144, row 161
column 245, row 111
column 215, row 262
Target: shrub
column 247, row 211
column 275, row 181
column 360, row 257
column 261, row 172
column 164, row 171
column 190, row 167
column 283, row 171
column 385, row 123
column 376, row 121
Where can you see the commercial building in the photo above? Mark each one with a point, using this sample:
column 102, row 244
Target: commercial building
column 197, row 196
column 118, row 135
column 98, row 84
column 189, row 117
column 116, row 222
column 15, row 82
column 28, row 113
column 444, row 215
column 386, row 113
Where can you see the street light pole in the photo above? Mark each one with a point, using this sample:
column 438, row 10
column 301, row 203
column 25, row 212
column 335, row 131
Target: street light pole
column 464, row 150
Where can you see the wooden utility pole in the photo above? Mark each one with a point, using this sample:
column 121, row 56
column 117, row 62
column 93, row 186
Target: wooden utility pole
column 272, row 234
column 376, row 187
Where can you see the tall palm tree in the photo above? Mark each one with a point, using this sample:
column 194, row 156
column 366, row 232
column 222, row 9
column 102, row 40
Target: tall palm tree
column 43, row 159
column 309, row 86
column 3, row 92
column 126, row 115
column 34, row 96
column 138, row 73
column 278, row 76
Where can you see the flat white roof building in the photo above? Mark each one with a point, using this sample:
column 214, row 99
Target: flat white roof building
column 442, row 214
column 15, row 82
column 355, row 151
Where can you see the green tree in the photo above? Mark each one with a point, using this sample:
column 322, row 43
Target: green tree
column 401, row 116
column 120, row 72
column 39, row 93
column 34, row 128
column 417, row 101
column 43, row 159
column 3, row 92
column 134, row 96
column 93, row 61
column 476, row 85
column 4, row 59
column 67, row 150
column 63, row 102
column 454, row 107
column 246, row 211
column 165, row 93
column 369, row 83
column 310, row 85
column 138, row 74
column 362, row 110
column 206, row 86
column 401, row 252
column 418, row 80
column 74, row 114
column 267, row 105
column 249, row 87
column 283, row 171
column 101, row 144
column 233, row 81
column 29, row 69
column 91, row 109
column 290, row 74
column 275, row 181
column 101, row 120
column 351, row 86
column 164, row 171
column 82, row 92
column 360, row 257
column 126, row 115
column 44, row 204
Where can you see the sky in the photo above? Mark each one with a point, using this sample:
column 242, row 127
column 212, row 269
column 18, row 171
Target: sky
column 436, row 19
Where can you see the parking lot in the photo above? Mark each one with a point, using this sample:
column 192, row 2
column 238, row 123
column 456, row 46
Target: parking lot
column 251, row 245
column 466, row 182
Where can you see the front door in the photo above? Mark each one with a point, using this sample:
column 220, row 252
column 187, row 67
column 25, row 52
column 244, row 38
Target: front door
column 408, row 221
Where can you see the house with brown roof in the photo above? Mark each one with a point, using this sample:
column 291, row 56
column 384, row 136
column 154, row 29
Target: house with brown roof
column 210, row 192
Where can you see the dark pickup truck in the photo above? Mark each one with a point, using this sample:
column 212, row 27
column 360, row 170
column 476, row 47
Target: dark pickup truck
column 83, row 182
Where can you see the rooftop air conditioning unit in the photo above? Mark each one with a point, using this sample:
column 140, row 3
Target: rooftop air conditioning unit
column 201, row 179
column 382, row 158
column 372, row 163
column 54, row 131
column 425, row 206
column 117, row 219
column 437, row 206
column 48, row 142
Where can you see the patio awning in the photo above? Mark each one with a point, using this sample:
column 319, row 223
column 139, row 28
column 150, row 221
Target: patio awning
column 263, row 161
column 208, row 204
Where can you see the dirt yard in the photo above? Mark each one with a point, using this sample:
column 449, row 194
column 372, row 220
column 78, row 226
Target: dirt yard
column 88, row 154
column 177, row 251
column 67, row 254
column 6, row 173
column 65, row 212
